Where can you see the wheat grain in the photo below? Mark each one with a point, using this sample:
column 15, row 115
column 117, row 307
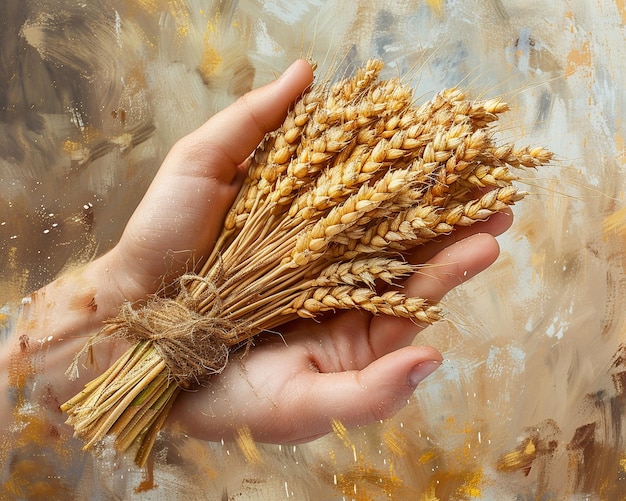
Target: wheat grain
column 356, row 178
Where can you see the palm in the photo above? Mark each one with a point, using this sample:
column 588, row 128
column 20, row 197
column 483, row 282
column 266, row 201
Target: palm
column 289, row 386
column 349, row 366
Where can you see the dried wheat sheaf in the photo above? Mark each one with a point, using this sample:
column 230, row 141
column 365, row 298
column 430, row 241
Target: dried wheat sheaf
column 356, row 177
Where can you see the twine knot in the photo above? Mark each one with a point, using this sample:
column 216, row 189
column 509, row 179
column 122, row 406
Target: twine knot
column 193, row 345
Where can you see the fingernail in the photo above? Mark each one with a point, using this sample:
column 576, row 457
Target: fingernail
column 421, row 371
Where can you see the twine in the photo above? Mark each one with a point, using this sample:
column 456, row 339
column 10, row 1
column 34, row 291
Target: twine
column 193, row 345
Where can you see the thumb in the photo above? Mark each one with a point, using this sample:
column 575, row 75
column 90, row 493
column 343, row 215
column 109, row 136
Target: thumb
column 183, row 210
column 235, row 132
column 212, row 153
column 373, row 393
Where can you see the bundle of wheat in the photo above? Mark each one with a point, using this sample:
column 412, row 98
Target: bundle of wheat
column 357, row 176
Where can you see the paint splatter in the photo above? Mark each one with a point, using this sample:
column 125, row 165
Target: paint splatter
column 530, row 401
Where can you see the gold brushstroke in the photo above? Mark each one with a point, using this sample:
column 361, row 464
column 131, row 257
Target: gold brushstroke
column 211, row 60
column 615, row 222
column 179, row 11
column 578, row 59
column 342, row 433
column 395, row 441
column 472, row 486
column 15, row 280
column 519, row 459
column 363, row 481
column 621, row 7
column 247, row 445
column 436, row 6
column 430, row 494
column 427, row 456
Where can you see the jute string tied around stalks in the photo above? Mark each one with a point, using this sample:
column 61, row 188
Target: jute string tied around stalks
column 193, row 345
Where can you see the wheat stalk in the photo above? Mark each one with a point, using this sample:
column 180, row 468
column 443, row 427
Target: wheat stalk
column 357, row 176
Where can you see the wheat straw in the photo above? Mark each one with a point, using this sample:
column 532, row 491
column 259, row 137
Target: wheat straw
column 355, row 178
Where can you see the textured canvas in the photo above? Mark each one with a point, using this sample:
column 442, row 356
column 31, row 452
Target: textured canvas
column 529, row 402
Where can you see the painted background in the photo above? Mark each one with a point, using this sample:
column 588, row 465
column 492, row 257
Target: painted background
column 530, row 401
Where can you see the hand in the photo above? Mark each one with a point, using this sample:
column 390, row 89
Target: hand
column 350, row 366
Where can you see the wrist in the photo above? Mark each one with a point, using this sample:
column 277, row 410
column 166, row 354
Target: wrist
column 73, row 305
column 51, row 327
column 60, row 317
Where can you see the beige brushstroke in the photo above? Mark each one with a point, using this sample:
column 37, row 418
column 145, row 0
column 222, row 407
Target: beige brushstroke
column 561, row 272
